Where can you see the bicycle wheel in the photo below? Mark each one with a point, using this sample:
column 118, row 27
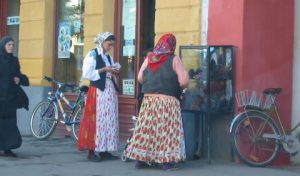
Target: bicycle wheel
column 76, row 121
column 43, row 119
column 249, row 143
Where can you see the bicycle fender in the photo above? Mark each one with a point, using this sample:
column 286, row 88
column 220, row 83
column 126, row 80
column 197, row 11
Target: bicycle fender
column 240, row 114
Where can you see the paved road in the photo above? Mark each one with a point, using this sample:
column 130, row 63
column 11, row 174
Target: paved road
column 59, row 157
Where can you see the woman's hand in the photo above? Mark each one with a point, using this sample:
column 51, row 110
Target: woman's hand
column 115, row 71
column 108, row 69
column 17, row 80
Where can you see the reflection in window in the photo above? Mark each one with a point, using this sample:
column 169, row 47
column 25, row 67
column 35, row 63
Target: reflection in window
column 128, row 42
column 210, row 72
column 70, row 40
column 221, row 88
column 195, row 62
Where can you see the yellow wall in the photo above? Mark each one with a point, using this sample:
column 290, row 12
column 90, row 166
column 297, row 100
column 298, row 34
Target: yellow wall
column 99, row 17
column 37, row 29
column 181, row 18
column 36, row 39
column 96, row 20
column 36, row 34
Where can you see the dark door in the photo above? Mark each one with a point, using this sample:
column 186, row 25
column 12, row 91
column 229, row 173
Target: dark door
column 3, row 16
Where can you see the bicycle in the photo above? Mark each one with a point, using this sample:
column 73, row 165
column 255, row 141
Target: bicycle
column 257, row 137
column 45, row 116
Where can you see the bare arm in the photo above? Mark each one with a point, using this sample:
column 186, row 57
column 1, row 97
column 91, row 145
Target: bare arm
column 183, row 77
column 141, row 72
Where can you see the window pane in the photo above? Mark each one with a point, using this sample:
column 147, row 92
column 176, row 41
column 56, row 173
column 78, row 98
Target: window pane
column 221, row 95
column 128, row 55
column 70, row 40
column 195, row 60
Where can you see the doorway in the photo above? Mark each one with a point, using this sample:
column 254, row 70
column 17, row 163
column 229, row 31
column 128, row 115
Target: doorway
column 135, row 33
column 13, row 27
column 3, row 16
column 147, row 26
column 9, row 21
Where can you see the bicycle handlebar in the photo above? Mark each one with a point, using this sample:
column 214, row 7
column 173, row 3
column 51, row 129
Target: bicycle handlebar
column 59, row 83
column 48, row 78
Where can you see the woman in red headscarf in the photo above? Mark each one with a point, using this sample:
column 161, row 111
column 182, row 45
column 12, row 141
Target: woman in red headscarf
column 158, row 136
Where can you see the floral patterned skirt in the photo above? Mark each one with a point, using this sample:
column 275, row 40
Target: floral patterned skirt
column 99, row 128
column 158, row 135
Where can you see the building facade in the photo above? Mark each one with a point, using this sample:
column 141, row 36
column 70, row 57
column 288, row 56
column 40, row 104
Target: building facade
column 53, row 36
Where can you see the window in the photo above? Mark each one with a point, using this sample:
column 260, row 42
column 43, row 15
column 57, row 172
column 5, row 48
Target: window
column 69, row 40
column 211, row 79
column 128, row 45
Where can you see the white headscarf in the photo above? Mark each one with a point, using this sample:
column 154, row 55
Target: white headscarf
column 100, row 38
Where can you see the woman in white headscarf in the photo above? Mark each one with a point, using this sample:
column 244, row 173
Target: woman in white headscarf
column 99, row 129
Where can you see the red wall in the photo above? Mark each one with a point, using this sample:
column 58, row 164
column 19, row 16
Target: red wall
column 262, row 31
column 225, row 27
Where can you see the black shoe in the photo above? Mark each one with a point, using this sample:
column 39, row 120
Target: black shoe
column 9, row 153
column 94, row 158
column 142, row 165
column 107, row 155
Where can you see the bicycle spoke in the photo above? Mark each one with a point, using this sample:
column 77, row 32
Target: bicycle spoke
column 42, row 120
column 247, row 122
column 249, row 143
column 260, row 129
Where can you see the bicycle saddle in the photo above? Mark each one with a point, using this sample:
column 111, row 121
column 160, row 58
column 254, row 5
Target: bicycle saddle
column 84, row 88
column 272, row 91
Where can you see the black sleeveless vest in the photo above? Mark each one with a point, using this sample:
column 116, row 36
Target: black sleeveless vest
column 163, row 81
column 100, row 84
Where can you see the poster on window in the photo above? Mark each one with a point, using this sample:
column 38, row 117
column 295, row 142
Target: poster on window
column 129, row 50
column 77, row 26
column 128, row 86
column 63, row 41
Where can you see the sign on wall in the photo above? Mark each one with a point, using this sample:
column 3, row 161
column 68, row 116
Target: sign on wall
column 128, row 86
column 13, row 20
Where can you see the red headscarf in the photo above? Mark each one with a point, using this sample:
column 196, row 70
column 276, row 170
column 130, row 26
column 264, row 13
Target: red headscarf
column 164, row 48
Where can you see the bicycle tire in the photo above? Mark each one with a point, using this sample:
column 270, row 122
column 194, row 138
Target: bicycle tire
column 263, row 151
column 39, row 113
column 76, row 121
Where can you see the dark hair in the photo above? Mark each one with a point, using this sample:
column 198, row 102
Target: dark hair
column 146, row 51
column 110, row 38
column 191, row 73
column 4, row 40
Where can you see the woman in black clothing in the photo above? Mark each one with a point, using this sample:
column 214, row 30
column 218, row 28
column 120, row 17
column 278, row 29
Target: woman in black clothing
column 10, row 137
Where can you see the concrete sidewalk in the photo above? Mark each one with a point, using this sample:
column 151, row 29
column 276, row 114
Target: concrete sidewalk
column 59, row 157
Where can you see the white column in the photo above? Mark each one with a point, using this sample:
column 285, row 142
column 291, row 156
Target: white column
column 204, row 22
column 296, row 75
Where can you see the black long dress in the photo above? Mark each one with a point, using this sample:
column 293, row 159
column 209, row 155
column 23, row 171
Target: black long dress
column 10, row 137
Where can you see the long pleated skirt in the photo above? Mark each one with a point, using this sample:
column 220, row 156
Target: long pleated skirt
column 99, row 128
column 158, row 134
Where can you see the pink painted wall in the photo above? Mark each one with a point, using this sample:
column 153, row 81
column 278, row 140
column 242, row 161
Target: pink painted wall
column 225, row 27
column 262, row 31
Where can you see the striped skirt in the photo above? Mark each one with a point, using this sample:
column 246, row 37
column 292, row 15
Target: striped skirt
column 99, row 128
column 158, row 134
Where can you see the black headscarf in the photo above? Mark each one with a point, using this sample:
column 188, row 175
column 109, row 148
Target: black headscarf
column 3, row 42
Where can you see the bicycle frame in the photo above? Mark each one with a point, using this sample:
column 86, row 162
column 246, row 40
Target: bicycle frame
column 282, row 129
column 257, row 135
column 56, row 99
